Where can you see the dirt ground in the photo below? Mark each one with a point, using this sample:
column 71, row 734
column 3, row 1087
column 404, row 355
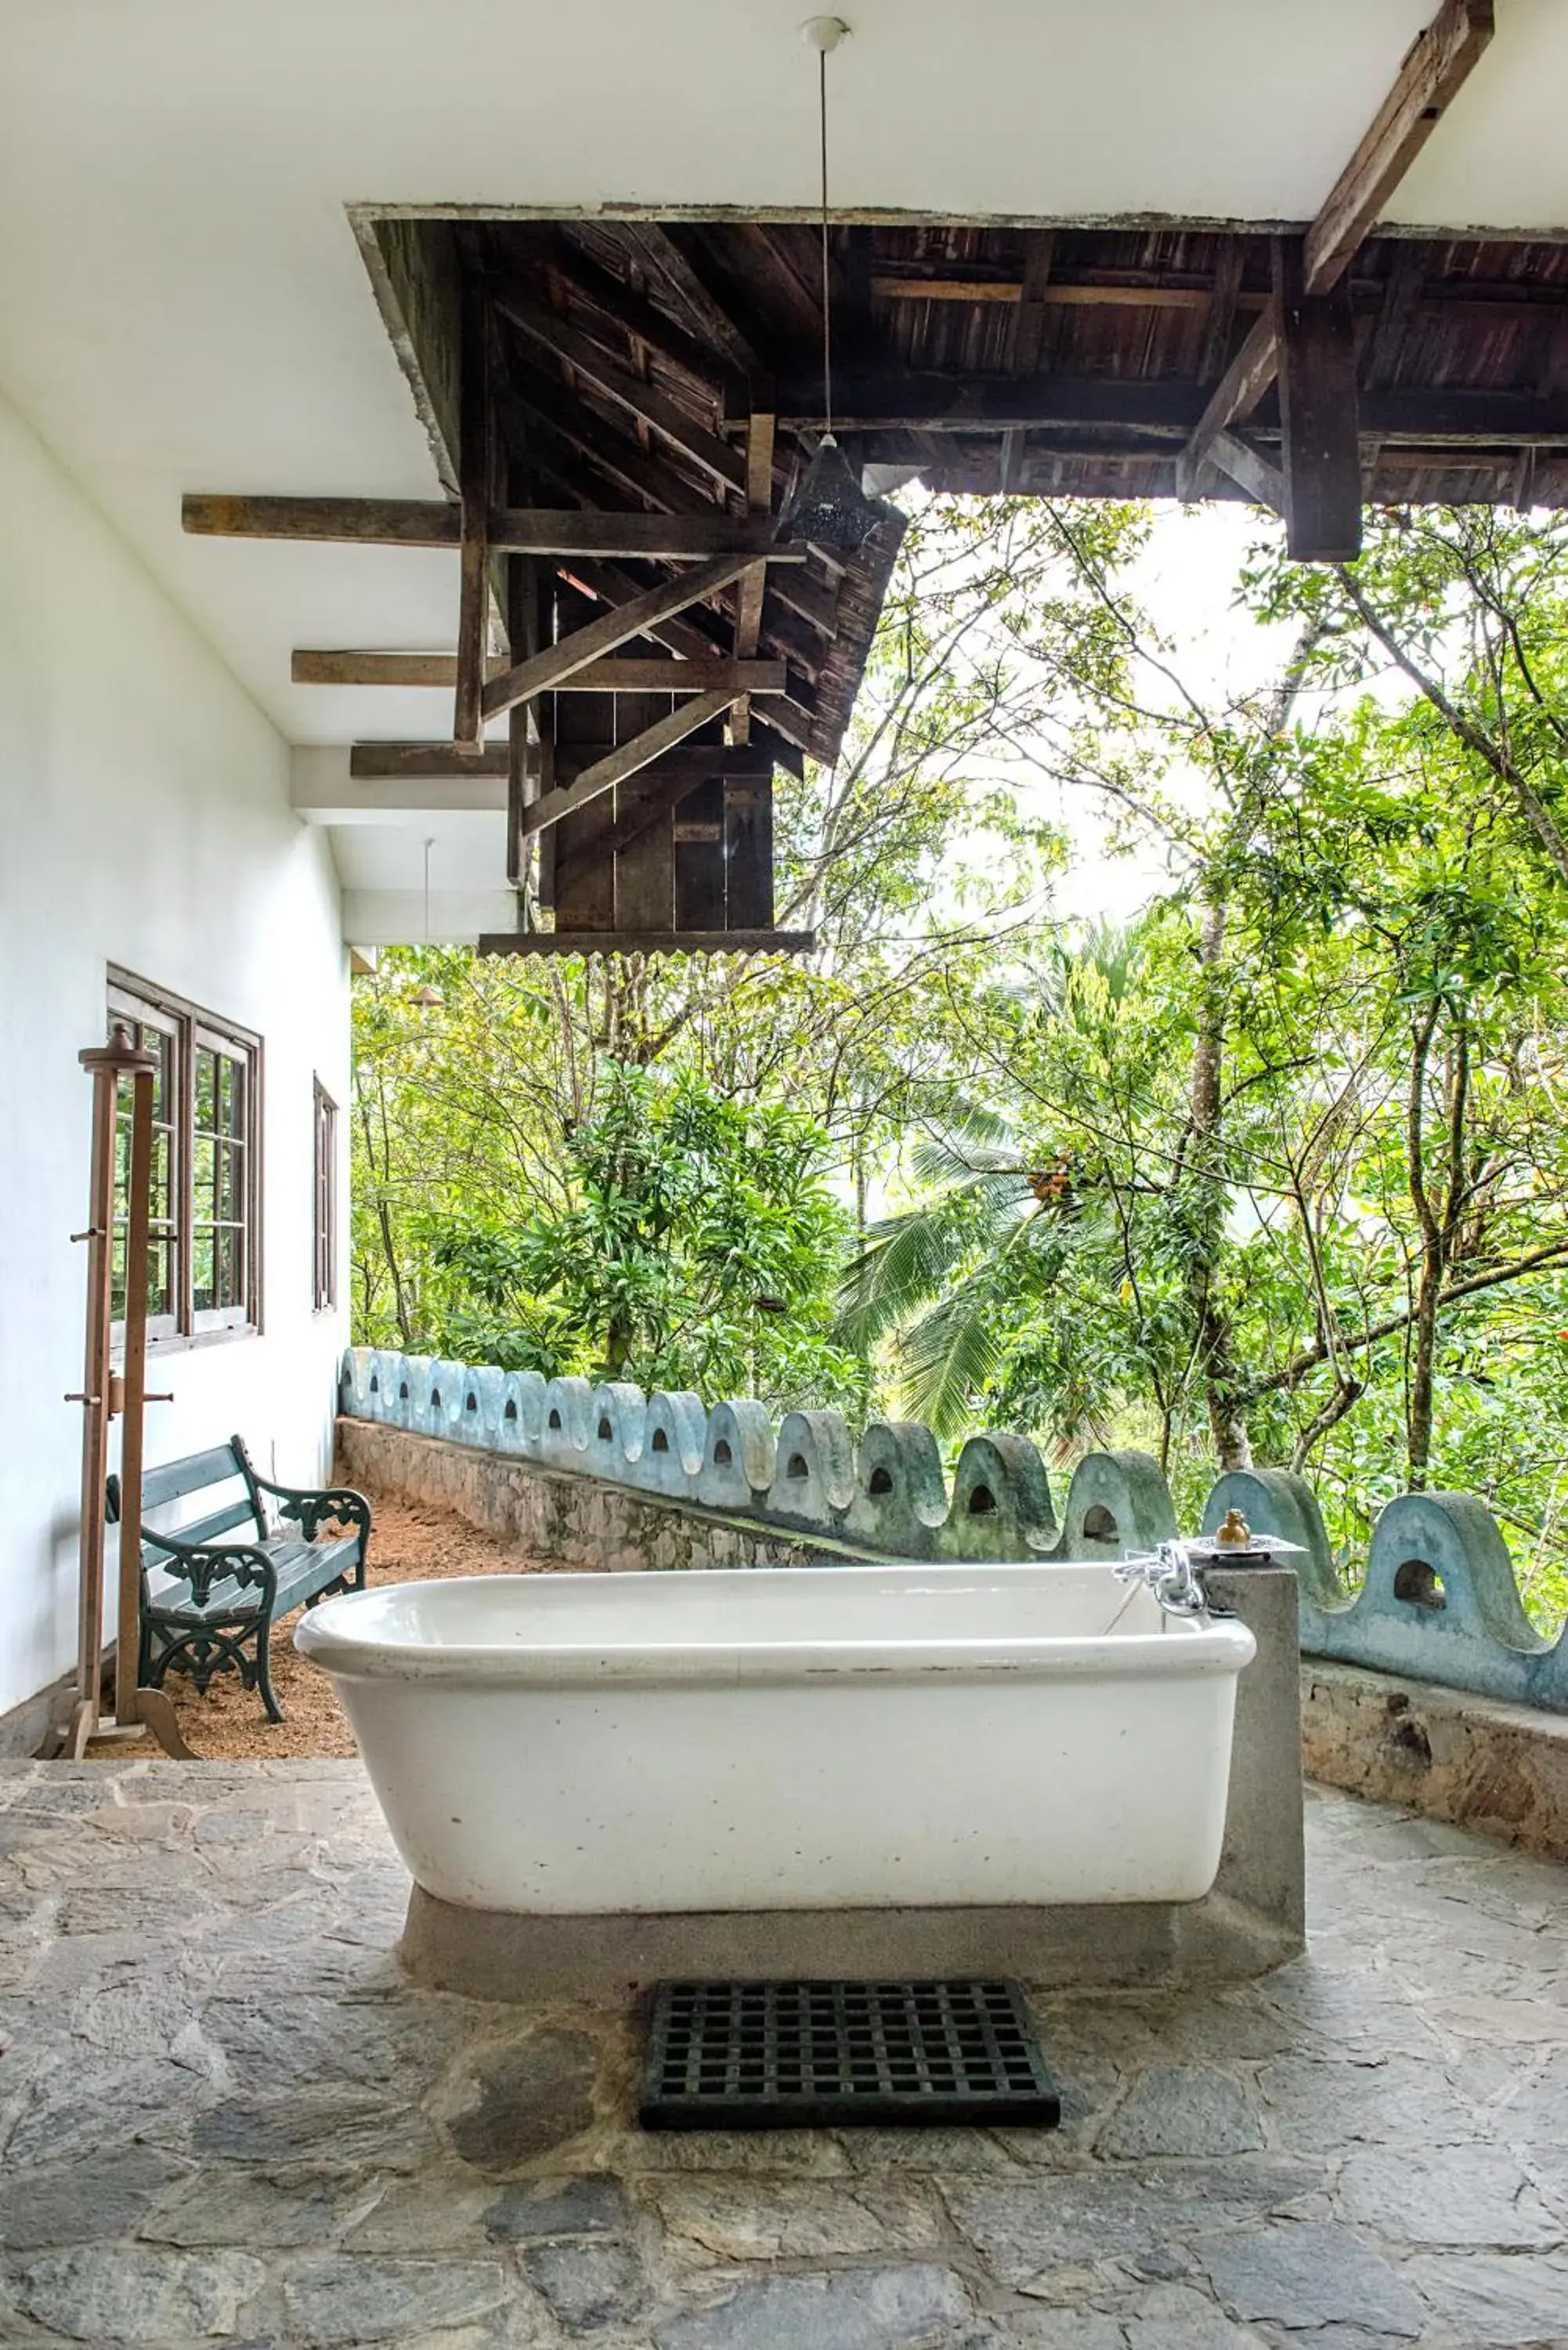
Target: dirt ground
column 409, row 1543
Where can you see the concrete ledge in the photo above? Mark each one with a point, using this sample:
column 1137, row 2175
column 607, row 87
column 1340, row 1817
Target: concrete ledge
column 496, row 1955
column 1472, row 1761
column 569, row 1517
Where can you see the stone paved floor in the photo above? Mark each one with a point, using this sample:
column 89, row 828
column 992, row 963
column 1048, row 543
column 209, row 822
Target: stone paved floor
column 223, row 2118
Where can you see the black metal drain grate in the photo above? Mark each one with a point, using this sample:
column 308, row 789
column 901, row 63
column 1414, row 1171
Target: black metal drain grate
column 810, row 2055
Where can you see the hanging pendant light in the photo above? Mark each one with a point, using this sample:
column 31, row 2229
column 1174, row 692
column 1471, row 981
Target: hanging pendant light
column 828, row 505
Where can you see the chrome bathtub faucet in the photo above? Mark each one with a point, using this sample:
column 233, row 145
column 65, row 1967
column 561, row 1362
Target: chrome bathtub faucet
column 1170, row 1575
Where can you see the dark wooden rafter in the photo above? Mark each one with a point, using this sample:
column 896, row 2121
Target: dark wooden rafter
column 640, row 400
column 1401, row 298
column 1162, row 408
column 664, row 537
column 1438, row 61
column 689, row 633
column 545, row 670
column 525, row 633
column 753, row 590
column 668, row 261
column 1220, row 310
column 623, row 761
column 476, row 469
column 573, row 431
column 610, row 309
column 1026, row 342
column 1257, row 474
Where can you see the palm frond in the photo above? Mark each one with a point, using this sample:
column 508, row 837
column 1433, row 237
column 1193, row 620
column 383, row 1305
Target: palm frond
column 949, row 1355
column 906, row 1261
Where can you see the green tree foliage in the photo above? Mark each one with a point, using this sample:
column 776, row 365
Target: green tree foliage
column 696, row 1248
column 914, row 861
column 1277, row 1172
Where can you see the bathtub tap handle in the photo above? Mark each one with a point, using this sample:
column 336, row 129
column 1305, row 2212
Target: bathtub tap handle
column 1170, row 1575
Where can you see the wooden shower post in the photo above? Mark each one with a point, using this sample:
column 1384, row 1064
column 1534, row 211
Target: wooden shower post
column 106, row 1393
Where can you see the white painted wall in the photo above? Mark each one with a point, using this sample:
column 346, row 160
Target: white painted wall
column 144, row 820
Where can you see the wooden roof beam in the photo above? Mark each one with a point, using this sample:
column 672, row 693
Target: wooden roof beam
column 1319, row 427
column 573, row 430
column 547, row 671
column 614, row 300
column 1257, row 475
column 1437, row 63
column 690, row 764
column 646, row 942
column 1163, row 409
column 510, row 530
column 344, row 522
column 753, row 587
column 524, row 530
column 692, row 637
column 606, row 676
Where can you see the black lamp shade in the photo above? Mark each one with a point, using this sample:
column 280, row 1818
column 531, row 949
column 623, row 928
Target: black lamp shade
column 828, row 506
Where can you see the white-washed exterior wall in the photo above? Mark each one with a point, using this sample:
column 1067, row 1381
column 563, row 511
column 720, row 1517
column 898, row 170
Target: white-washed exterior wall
column 144, row 822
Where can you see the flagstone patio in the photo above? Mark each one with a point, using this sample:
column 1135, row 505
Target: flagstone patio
column 225, row 2118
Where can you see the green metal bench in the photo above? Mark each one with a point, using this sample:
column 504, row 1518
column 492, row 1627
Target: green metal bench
column 208, row 1607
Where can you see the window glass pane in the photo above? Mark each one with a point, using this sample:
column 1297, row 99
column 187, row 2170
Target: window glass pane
column 202, row 1292
column 204, row 1175
column 162, row 1253
column 206, row 1090
column 162, row 1175
column 232, row 1265
column 160, row 1278
column 164, row 1086
column 230, row 1182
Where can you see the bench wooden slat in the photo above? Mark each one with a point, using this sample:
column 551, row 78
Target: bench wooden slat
column 301, row 1568
column 177, row 1478
column 239, row 1514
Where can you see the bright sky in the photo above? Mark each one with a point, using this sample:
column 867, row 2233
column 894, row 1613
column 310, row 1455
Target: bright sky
column 1187, row 580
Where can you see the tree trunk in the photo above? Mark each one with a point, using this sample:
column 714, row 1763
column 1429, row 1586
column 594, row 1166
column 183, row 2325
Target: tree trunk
column 1439, row 1231
column 1224, row 1386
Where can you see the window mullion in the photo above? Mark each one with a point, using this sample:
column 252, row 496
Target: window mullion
column 187, row 1176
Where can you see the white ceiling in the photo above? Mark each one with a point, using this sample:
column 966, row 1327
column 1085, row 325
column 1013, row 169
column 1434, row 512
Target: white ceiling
column 182, row 304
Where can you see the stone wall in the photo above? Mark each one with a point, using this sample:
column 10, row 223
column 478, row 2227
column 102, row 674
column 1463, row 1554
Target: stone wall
column 884, row 1495
column 1450, row 1756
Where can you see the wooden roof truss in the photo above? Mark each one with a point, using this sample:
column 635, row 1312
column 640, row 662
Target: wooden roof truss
column 616, row 409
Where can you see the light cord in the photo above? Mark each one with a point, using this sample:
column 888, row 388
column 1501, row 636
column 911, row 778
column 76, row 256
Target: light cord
column 826, row 293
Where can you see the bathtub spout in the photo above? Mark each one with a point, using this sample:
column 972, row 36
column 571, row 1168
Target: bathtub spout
column 1170, row 1575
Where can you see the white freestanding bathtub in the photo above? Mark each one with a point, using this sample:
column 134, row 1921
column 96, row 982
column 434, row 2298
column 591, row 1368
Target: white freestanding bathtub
column 801, row 1738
